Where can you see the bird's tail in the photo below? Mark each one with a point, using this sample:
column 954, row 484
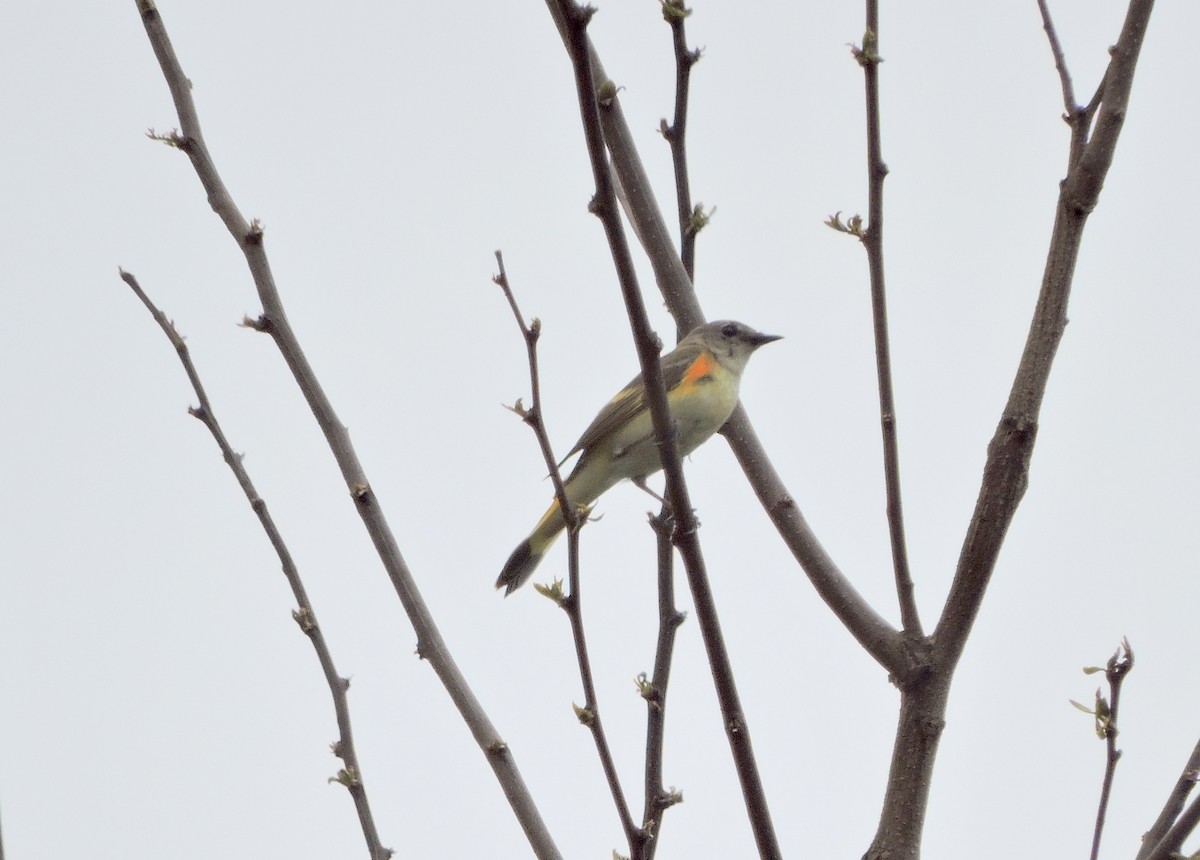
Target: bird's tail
column 529, row 553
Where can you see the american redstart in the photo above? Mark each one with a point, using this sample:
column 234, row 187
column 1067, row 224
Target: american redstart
column 701, row 375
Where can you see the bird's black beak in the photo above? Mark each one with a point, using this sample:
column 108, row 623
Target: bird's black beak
column 759, row 339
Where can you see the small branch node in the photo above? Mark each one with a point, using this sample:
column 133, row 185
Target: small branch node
column 868, row 54
column 173, row 138
column 699, row 219
column 852, row 226
column 670, row 798
column 346, row 777
column 648, row 691
column 527, row 414
column 554, row 591
column 586, row 716
column 262, row 323
column 304, row 617
column 606, row 93
column 674, row 10
column 255, row 237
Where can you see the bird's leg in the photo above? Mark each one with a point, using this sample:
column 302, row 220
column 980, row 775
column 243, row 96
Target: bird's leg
column 640, row 483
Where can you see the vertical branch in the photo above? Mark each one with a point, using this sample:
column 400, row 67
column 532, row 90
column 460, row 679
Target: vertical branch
column 589, row 714
column 690, row 221
column 1106, row 726
column 872, row 239
column 654, row 690
column 604, row 204
column 571, row 603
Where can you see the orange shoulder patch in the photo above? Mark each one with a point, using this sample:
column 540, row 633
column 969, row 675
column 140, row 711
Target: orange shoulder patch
column 703, row 366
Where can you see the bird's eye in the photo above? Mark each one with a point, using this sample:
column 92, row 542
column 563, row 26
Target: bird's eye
column 729, row 330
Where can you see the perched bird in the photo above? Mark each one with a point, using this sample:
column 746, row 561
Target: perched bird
column 701, row 375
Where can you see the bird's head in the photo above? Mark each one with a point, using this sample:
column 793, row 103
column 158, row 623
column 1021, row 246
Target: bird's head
column 732, row 342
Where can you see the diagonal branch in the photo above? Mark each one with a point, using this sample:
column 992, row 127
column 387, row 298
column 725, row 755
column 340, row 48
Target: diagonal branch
column 604, row 204
column 880, row 639
column 533, row 415
column 571, row 603
column 430, row 644
column 1060, row 61
column 1169, row 846
column 1006, row 472
column 351, row 775
column 1155, row 842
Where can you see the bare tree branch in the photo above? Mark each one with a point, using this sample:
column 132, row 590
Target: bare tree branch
column 1156, row 835
column 1107, row 714
column 872, row 239
column 654, row 689
column 1060, row 62
column 533, row 415
column 1169, row 846
column 351, row 775
column 571, row 603
column 881, row 640
column 1005, row 476
column 1006, row 471
column 430, row 644
column 604, row 204
column 1082, row 187
column 691, row 221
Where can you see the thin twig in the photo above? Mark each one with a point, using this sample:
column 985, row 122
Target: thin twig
column 571, row 603
column 1060, row 62
column 654, row 689
column 1078, row 118
column 1171, row 810
column 430, row 645
column 533, row 415
column 691, row 221
column 868, row 57
column 604, row 205
column 351, row 775
column 1119, row 666
column 589, row 714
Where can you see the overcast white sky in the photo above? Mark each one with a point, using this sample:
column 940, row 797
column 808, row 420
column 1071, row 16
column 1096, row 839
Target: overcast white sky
column 157, row 698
